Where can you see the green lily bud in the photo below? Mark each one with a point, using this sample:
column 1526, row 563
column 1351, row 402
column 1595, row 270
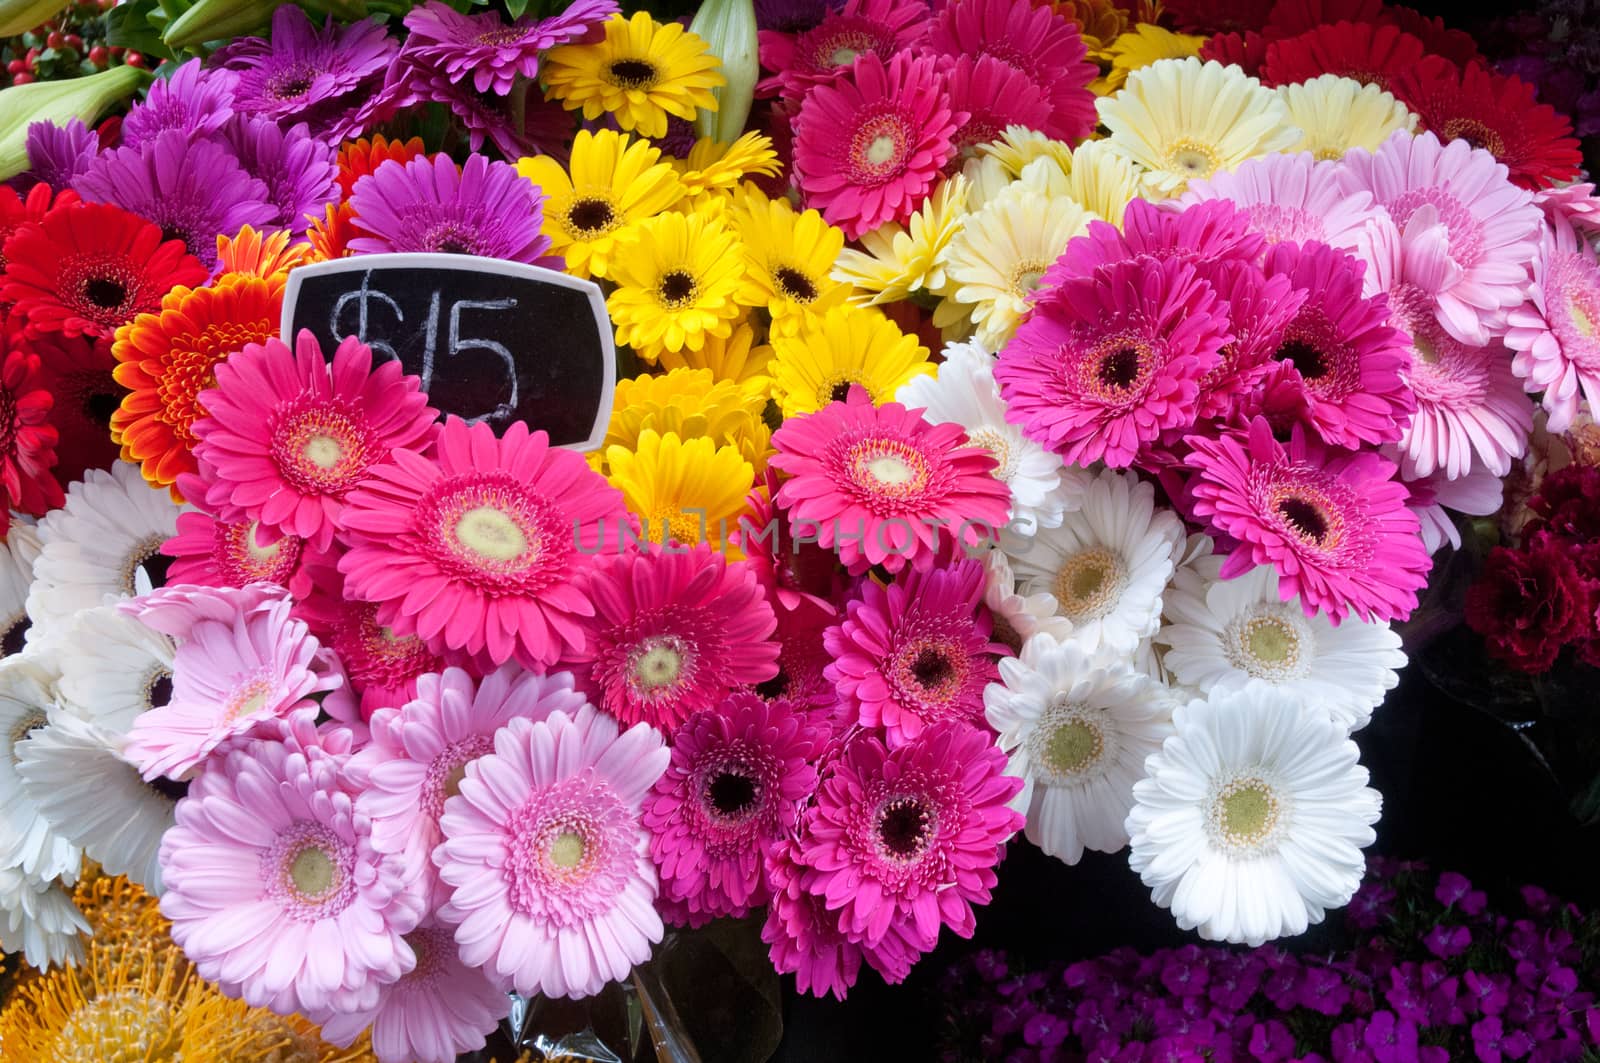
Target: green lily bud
column 58, row 102
column 215, row 20
column 19, row 16
column 729, row 27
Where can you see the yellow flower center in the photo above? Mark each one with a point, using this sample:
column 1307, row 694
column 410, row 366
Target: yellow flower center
column 247, row 701
column 1581, row 319
column 1192, row 158
column 491, row 534
column 323, row 451
column 1087, row 584
column 1270, row 640
column 256, row 549
column 313, row 873
column 1245, row 812
column 658, row 666
column 881, row 150
column 568, row 849
column 1074, row 746
column 890, row 470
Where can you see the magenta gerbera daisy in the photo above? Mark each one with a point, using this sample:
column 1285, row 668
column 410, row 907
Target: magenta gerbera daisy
column 554, row 890
column 213, row 552
column 193, row 100
column 1259, row 310
column 824, row 52
column 487, row 50
column 881, row 486
column 802, row 659
column 1111, row 361
column 908, row 838
column 916, row 652
column 802, row 935
column 475, row 547
column 419, row 753
column 1334, row 524
column 870, row 145
column 994, row 95
column 1036, row 40
column 274, row 889
column 1493, row 226
column 1340, row 352
column 289, row 435
column 1210, row 231
column 381, row 667
column 731, row 792
column 673, row 631
column 1290, row 197
column 483, row 208
column 1553, row 333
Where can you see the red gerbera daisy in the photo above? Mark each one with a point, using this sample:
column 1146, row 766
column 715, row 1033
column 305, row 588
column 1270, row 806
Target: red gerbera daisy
column 1218, row 16
column 18, row 210
column 994, row 95
column 1370, row 54
column 1439, row 39
column 1290, row 18
column 1247, row 52
column 27, row 438
column 76, row 371
column 1496, row 112
column 87, row 268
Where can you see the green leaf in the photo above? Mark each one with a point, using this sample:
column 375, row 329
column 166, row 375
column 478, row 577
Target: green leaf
column 515, row 8
column 135, row 26
column 1586, row 804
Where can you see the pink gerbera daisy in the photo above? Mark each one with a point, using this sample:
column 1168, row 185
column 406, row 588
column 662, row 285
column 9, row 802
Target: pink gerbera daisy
column 1290, row 197
column 1109, row 362
column 994, row 95
column 1044, row 45
column 1479, row 493
column 420, row 751
column 1334, row 524
column 826, row 51
column 214, row 552
column 870, row 145
column 802, row 660
column 1553, row 333
column 381, row 667
column 274, row 889
column 1340, row 353
column 915, row 652
column 908, row 838
column 289, row 435
column 1207, row 232
column 796, row 573
column 732, row 790
column 1493, row 226
column 673, row 631
column 554, row 888
column 1259, row 310
column 881, row 486
column 475, row 547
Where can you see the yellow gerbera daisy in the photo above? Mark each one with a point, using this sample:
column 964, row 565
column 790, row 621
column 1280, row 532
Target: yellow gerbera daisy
column 713, row 166
column 848, row 345
column 1143, row 45
column 1103, row 181
column 787, row 257
column 689, row 490
column 1335, row 114
column 676, row 277
column 734, row 357
column 691, row 404
column 1019, row 145
column 996, row 261
column 898, row 260
column 640, row 73
column 611, row 181
column 1181, row 119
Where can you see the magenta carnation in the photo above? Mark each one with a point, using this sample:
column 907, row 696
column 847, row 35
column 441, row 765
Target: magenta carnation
column 488, row 51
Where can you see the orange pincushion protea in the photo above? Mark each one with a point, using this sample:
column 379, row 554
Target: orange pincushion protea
column 357, row 158
column 165, row 360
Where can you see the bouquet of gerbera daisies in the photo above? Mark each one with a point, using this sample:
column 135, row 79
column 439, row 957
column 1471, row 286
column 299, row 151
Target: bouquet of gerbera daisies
column 1033, row 422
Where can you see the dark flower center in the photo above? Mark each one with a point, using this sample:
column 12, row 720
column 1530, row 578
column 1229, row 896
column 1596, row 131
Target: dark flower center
column 98, row 406
column 591, row 214
column 160, row 691
column 1306, row 518
column 903, row 826
column 11, row 641
column 840, row 392
column 931, row 668
column 105, row 293
column 796, row 285
column 633, row 73
column 1119, row 368
column 1309, row 361
column 155, row 567
column 678, row 286
column 775, row 687
column 731, row 793
column 454, row 247
column 173, row 791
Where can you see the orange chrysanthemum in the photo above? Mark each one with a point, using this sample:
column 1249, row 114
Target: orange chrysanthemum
column 254, row 255
column 331, row 234
column 357, row 158
column 165, row 360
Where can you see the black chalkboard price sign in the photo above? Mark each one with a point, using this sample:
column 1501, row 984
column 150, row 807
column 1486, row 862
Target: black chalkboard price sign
column 491, row 340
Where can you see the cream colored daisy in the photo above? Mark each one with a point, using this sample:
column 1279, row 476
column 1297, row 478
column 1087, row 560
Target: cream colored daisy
column 898, row 260
column 1335, row 114
column 986, row 178
column 1181, row 119
column 1103, row 181
column 1019, row 145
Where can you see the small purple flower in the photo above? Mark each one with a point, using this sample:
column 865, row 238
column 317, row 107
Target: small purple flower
column 301, row 172
column 485, row 208
column 1187, row 974
column 58, row 154
column 1323, row 991
column 1271, row 1041
column 1391, row 1040
column 1046, row 1030
column 489, row 49
column 1447, row 942
column 1370, row 906
column 1487, row 991
column 195, row 101
column 792, row 16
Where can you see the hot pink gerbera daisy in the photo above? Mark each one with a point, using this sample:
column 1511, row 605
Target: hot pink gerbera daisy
column 554, row 888
column 994, row 95
column 381, row 667
column 826, row 51
column 1259, row 310
column 1204, row 233
column 672, row 632
column 1493, row 226
column 1109, row 362
column 802, row 659
column 1340, row 352
column 419, row 753
column 881, row 486
column 916, row 652
column 1334, row 524
column 1290, row 197
column 475, row 547
column 869, row 146
column 1553, row 333
column 231, row 678
column 274, row 889
column 910, row 837
column 213, row 552
column 289, row 435
column 796, row 573
column 1036, row 40
column 732, row 790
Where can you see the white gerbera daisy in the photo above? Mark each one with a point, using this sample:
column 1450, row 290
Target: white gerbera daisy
column 1016, row 618
column 1250, row 822
column 27, row 839
column 964, row 392
column 18, row 552
column 39, row 920
column 1181, row 119
column 1335, row 114
column 112, row 668
column 1222, row 633
column 106, row 540
column 1105, row 567
column 1078, row 727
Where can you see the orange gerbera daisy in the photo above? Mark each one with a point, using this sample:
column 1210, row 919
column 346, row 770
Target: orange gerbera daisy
column 254, row 255
column 165, row 360
column 357, row 158
column 331, row 234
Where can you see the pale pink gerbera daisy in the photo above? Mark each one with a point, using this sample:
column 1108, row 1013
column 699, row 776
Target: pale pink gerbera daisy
column 1334, row 524
column 1493, row 226
column 673, row 631
column 1554, row 332
column 554, row 888
column 437, row 1011
column 1108, row 363
column 883, row 487
column 289, row 435
column 731, row 792
column 915, row 652
column 475, row 547
column 1205, row 233
column 826, row 51
column 909, row 838
column 1480, row 493
column 381, row 667
column 1290, row 197
column 273, row 887
column 419, row 753
column 870, row 145
column 221, row 553
column 1340, row 355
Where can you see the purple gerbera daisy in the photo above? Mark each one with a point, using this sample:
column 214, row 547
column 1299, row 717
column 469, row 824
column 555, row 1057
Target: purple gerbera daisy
column 546, row 126
column 194, row 189
column 483, row 208
column 59, row 153
column 194, row 100
column 301, row 172
column 487, row 48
